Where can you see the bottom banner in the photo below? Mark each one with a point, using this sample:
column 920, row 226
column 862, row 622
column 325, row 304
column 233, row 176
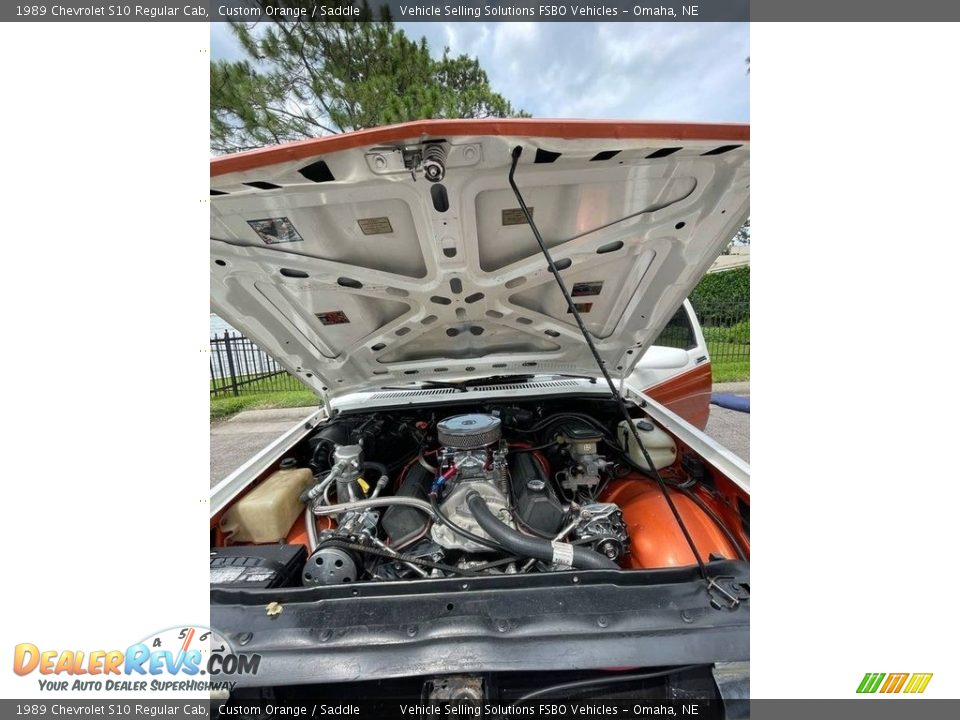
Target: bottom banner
column 920, row 709
column 465, row 709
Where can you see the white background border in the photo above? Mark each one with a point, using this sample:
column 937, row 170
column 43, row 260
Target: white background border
column 105, row 297
column 104, row 364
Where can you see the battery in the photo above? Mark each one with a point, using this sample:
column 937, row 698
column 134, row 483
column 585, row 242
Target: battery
column 253, row 567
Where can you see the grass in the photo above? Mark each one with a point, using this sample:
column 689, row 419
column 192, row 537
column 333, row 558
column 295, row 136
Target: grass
column 730, row 362
column 223, row 407
column 730, row 370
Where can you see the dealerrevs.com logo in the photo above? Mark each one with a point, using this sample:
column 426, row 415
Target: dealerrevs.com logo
column 894, row 683
column 180, row 659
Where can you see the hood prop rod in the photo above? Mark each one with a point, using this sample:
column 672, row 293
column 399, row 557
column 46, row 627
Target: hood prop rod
column 711, row 583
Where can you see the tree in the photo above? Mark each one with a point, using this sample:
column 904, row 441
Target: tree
column 308, row 78
column 743, row 234
column 741, row 238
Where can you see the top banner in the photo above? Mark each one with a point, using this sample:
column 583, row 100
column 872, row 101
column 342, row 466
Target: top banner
column 479, row 11
column 396, row 10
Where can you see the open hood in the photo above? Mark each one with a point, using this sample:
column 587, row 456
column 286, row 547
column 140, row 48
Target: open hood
column 344, row 262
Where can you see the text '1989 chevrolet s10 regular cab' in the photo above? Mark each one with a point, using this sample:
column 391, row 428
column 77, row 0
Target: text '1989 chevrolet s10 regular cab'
column 505, row 489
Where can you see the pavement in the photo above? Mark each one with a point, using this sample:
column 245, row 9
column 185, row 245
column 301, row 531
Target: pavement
column 239, row 438
column 729, row 427
column 236, row 440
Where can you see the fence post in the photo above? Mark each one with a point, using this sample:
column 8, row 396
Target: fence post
column 233, row 370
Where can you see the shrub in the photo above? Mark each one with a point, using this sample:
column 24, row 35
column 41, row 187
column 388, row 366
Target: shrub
column 739, row 333
column 721, row 287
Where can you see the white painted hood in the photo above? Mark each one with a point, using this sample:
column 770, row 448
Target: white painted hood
column 354, row 275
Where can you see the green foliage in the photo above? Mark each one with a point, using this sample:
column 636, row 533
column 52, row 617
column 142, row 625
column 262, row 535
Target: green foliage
column 308, row 78
column 223, row 407
column 730, row 369
column 737, row 334
column 722, row 303
column 721, row 287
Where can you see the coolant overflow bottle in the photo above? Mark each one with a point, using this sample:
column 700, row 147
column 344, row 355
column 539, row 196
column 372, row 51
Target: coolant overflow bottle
column 659, row 444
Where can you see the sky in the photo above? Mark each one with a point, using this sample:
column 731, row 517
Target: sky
column 635, row 71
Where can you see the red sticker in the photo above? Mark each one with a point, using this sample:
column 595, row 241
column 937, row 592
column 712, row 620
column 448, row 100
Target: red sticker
column 334, row 317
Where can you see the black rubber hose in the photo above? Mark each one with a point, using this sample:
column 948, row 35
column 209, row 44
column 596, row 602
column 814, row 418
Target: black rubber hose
column 528, row 546
column 531, row 531
column 379, row 467
column 463, row 532
column 560, row 417
column 546, row 446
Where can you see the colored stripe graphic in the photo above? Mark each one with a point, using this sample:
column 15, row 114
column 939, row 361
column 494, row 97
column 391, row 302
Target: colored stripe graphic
column 870, row 682
column 918, row 682
column 895, row 683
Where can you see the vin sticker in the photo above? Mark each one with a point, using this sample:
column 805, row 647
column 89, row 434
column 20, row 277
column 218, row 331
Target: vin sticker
column 514, row 216
column 275, row 230
column 375, row 226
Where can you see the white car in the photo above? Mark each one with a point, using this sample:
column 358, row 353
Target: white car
column 506, row 473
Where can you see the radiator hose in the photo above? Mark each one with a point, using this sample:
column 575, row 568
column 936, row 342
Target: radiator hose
column 534, row 547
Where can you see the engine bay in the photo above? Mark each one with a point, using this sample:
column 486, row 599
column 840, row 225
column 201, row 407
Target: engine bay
column 449, row 491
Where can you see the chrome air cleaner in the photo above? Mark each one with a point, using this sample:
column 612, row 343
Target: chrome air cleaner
column 468, row 432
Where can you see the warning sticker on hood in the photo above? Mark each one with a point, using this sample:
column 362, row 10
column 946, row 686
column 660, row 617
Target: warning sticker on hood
column 582, row 289
column 275, row 230
column 333, row 317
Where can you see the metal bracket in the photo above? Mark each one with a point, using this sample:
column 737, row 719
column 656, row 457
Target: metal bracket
column 409, row 158
column 723, row 599
column 454, row 687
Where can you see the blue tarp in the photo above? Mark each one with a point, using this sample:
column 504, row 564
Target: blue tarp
column 740, row 403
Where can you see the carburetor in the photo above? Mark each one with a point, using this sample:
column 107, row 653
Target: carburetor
column 471, row 449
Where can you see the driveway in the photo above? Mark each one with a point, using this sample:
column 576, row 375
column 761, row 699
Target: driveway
column 236, row 440
column 729, row 427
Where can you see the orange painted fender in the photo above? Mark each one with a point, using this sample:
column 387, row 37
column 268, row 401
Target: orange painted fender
column 656, row 540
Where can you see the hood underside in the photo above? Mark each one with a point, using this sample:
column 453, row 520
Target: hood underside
column 340, row 259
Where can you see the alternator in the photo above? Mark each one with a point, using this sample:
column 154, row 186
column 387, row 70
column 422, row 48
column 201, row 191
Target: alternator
column 602, row 525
